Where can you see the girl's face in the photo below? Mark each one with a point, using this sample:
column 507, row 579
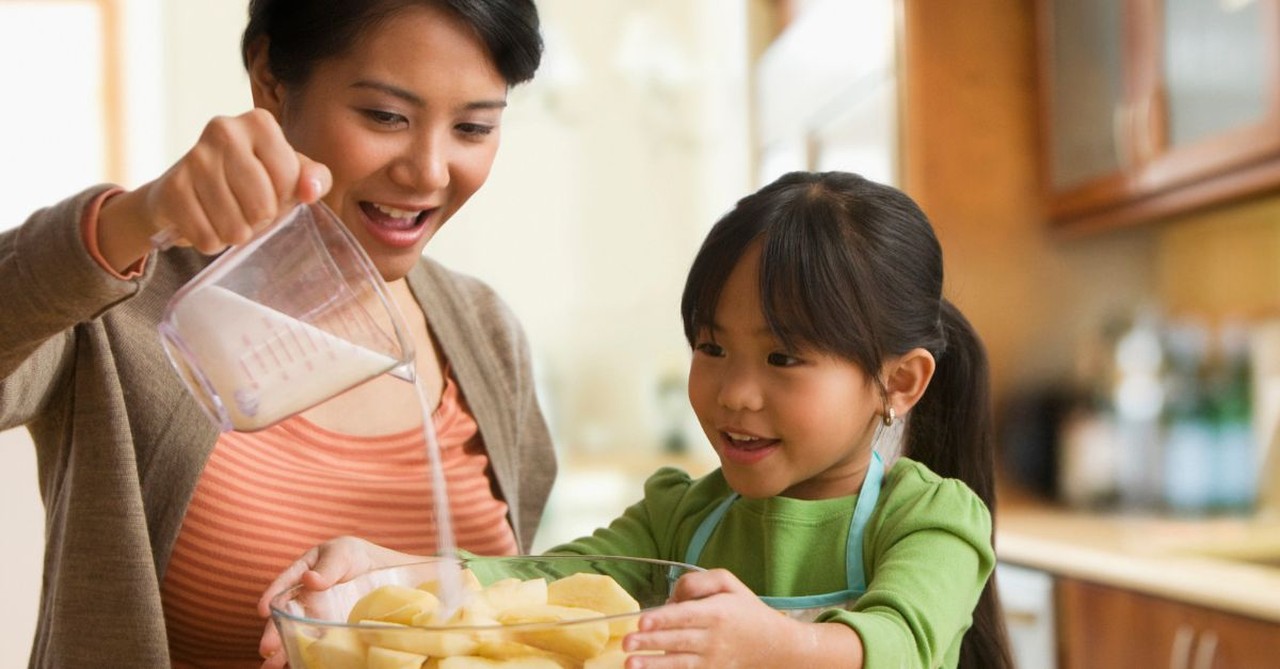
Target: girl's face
column 783, row 422
column 407, row 121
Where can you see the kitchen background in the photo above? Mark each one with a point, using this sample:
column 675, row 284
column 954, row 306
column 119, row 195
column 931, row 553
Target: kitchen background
column 1102, row 175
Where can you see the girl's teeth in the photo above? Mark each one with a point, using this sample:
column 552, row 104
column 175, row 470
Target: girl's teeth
column 393, row 212
column 739, row 437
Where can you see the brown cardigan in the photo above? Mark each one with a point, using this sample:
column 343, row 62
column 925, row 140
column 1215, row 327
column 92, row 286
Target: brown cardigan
column 120, row 443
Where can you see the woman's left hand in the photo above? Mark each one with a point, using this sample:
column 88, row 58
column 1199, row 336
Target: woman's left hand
column 332, row 562
column 714, row 620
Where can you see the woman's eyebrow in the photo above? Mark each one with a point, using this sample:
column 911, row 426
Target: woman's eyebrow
column 417, row 101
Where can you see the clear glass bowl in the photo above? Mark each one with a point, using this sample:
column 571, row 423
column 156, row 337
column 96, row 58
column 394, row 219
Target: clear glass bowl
column 502, row 622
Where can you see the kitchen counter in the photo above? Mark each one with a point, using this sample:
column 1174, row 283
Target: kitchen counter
column 1227, row 563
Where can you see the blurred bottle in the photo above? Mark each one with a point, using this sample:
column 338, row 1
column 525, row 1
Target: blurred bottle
column 1189, row 421
column 1088, row 446
column 1235, row 485
column 1138, row 396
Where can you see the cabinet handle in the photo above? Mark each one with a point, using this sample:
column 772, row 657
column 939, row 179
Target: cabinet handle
column 1120, row 134
column 1142, row 123
column 1206, row 649
column 1180, row 652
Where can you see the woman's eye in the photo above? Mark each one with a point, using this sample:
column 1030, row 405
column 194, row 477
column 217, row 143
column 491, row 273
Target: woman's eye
column 475, row 129
column 710, row 348
column 783, row 360
column 385, row 118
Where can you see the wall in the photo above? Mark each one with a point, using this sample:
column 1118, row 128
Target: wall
column 615, row 160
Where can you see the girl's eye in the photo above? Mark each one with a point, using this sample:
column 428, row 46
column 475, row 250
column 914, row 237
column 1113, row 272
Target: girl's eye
column 783, row 360
column 710, row 348
column 385, row 118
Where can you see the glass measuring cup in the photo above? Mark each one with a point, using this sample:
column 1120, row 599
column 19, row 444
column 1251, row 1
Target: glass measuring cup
column 282, row 323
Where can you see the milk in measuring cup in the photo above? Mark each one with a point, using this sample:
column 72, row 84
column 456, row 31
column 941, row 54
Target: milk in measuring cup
column 272, row 365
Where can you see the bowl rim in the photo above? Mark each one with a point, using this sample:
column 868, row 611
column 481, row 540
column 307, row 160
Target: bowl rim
column 278, row 613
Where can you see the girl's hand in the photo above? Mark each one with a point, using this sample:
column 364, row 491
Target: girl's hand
column 241, row 174
column 332, row 562
column 715, row 621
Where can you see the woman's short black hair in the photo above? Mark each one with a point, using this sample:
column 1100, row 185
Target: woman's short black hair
column 302, row 33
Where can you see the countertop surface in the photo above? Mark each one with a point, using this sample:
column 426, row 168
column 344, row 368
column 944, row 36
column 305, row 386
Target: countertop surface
column 1219, row 562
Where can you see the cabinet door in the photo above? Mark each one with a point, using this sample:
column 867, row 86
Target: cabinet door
column 1234, row 642
column 1102, row 628
column 1084, row 78
column 1154, row 108
column 1215, row 100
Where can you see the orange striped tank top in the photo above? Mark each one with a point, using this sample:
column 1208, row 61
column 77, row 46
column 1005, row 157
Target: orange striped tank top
column 266, row 497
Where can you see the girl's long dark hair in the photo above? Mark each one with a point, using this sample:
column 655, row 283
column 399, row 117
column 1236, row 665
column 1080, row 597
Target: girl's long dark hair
column 853, row 268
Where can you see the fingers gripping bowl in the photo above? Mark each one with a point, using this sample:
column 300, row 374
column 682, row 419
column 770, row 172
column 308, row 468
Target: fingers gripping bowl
column 549, row 612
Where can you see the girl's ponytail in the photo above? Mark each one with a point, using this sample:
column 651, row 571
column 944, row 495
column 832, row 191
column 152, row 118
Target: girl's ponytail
column 951, row 426
column 951, row 433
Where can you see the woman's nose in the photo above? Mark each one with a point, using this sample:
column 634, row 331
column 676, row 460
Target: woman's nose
column 423, row 167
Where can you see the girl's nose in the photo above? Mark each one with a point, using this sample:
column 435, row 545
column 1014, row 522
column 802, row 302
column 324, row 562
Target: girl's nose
column 740, row 390
column 423, row 167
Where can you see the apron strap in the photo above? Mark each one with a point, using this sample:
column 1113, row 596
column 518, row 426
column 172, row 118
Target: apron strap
column 855, row 574
column 709, row 524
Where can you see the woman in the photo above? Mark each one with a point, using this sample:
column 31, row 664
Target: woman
column 161, row 532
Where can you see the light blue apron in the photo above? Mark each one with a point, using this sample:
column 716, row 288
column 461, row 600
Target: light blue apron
column 807, row 607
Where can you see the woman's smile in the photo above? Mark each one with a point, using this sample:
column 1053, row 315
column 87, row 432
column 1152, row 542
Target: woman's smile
column 397, row 226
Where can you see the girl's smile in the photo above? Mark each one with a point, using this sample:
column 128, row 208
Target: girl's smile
column 745, row 449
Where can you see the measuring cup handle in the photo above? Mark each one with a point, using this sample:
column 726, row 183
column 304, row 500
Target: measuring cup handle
column 165, row 239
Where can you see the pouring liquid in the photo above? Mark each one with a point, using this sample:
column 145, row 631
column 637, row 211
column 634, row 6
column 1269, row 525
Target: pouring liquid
column 450, row 592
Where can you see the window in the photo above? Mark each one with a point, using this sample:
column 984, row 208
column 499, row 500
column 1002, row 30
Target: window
column 61, row 124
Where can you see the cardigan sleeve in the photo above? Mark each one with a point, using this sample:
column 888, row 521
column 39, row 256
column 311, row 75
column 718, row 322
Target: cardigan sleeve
column 49, row 282
column 929, row 556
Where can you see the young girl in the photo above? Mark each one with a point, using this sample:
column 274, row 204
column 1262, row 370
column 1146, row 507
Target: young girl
column 817, row 322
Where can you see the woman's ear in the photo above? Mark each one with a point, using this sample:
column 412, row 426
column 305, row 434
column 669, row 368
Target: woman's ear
column 906, row 378
column 268, row 92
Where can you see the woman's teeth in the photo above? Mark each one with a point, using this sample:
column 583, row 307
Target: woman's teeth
column 395, row 213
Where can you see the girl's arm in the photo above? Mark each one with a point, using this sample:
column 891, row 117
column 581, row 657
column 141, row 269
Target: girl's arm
column 716, row 621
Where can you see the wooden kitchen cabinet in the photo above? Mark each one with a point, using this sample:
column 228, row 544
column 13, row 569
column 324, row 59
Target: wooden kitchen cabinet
column 1152, row 108
column 1101, row 627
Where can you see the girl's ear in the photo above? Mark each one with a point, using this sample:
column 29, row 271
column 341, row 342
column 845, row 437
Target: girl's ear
column 906, row 378
column 268, row 92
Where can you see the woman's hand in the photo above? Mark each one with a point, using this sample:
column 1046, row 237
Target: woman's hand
column 241, row 174
column 715, row 621
column 332, row 562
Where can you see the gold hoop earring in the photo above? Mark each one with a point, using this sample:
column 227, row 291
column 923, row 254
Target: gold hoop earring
column 889, row 416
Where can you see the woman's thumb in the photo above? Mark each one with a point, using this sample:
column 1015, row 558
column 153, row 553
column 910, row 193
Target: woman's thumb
column 314, row 180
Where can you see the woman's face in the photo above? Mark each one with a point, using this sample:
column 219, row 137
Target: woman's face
column 783, row 422
column 407, row 121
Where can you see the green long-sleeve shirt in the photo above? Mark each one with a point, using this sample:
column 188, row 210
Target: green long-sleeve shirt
column 926, row 549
